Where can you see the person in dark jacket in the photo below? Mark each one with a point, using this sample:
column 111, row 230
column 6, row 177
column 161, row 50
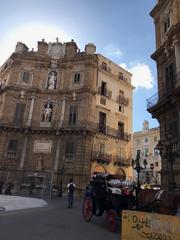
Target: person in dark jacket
column 71, row 188
column 1, row 186
column 9, row 187
column 31, row 188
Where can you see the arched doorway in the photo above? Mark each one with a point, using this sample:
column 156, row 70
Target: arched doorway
column 99, row 169
column 120, row 173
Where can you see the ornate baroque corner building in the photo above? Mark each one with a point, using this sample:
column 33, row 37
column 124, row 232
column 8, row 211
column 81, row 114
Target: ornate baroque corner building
column 64, row 113
column 165, row 105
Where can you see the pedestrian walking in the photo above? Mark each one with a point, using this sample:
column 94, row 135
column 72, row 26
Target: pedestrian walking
column 71, row 187
column 31, row 188
column 8, row 189
column 1, row 186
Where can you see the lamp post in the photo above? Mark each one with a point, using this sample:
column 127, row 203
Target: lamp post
column 137, row 166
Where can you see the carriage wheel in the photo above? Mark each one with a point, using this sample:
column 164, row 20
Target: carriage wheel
column 87, row 209
column 111, row 220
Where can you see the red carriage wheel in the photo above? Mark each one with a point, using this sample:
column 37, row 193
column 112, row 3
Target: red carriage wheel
column 111, row 220
column 87, row 209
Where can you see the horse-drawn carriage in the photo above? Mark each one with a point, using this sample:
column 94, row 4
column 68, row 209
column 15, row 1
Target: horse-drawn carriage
column 106, row 193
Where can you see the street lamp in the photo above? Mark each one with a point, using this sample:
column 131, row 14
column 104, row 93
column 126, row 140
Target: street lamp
column 137, row 166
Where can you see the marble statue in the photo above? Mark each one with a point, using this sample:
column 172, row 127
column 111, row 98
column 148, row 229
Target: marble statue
column 52, row 79
column 47, row 113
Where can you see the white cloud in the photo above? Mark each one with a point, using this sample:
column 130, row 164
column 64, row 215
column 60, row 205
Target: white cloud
column 142, row 75
column 112, row 50
column 29, row 34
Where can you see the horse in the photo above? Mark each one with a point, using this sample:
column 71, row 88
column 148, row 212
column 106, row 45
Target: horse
column 159, row 201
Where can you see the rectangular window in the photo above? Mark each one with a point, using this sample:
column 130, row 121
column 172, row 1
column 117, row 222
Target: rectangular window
column 121, row 75
column 104, row 66
column 166, row 24
column 77, row 77
column 101, row 148
column 155, row 139
column 19, row 112
column 121, row 130
column 26, row 77
column 69, row 151
column 170, row 77
column 73, row 114
column 12, row 149
column 102, row 122
column 156, row 152
column 104, row 89
column 121, row 108
column 173, row 128
column 146, row 152
column 156, row 164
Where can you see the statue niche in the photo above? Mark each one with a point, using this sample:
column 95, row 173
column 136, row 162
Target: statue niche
column 52, row 80
column 47, row 112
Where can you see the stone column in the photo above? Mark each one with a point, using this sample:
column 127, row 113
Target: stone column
column 62, row 112
column 56, row 161
column 21, row 165
column 28, row 124
column 177, row 57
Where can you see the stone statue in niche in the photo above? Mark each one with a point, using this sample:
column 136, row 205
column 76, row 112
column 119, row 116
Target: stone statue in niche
column 47, row 113
column 39, row 164
column 52, row 80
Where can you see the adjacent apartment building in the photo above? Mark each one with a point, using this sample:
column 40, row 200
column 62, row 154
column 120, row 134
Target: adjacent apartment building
column 65, row 113
column 145, row 141
column 165, row 105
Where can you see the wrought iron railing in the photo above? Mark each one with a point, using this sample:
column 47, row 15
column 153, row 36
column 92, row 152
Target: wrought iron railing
column 122, row 100
column 65, row 126
column 101, row 157
column 152, row 101
column 105, row 93
column 162, row 95
column 121, row 161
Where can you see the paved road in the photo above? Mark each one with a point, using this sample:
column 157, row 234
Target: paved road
column 54, row 222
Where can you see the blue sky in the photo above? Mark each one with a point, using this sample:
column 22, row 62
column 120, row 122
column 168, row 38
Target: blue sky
column 122, row 30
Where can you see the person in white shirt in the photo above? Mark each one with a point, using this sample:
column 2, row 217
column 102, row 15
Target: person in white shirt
column 71, row 187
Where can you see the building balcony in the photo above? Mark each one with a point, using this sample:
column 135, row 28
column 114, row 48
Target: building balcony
column 102, row 158
column 54, row 127
column 105, row 93
column 162, row 96
column 121, row 100
column 121, row 161
column 152, row 101
column 104, row 129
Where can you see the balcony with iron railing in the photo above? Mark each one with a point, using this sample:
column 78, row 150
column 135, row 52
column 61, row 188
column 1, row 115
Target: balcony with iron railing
column 105, row 93
column 121, row 161
column 54, row 126
column 122, row 100
column 103, row 158
column 114, row 132
column 163, row 95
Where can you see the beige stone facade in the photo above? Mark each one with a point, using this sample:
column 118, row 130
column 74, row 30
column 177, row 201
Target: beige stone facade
column 146, row 141
column 165, row 105
column 65, row 112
